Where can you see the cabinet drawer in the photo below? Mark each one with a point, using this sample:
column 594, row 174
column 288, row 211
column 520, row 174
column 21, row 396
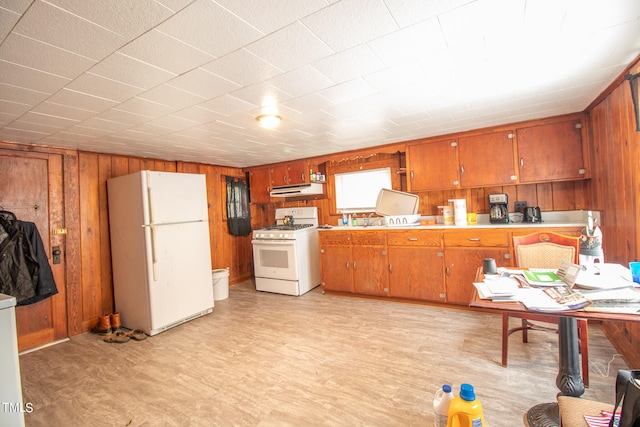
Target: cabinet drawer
column 476, row 237
column 335, row 238
column 414, row 238
column 369, row 238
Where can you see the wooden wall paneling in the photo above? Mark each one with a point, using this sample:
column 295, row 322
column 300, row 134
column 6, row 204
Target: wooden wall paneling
column 90, row 240
column 105, row 172
column 72, row 253
column 544, row 196
column 56, row 219
column 563, row 195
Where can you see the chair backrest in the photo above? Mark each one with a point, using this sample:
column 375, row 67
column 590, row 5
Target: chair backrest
column 545, row 250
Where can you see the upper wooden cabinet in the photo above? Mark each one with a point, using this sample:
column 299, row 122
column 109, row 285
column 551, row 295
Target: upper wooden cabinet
column 470, row 161
column 487, row 160
column 551, row 152
column 259, row 185
column 433, row 166
column 289, row 173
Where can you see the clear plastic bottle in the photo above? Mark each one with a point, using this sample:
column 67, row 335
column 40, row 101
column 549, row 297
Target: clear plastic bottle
column 465, row 410
column 441, row 402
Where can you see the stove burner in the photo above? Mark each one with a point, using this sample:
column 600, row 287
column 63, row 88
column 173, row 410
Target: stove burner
column 287, row 227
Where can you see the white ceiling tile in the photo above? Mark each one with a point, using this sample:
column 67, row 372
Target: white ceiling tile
column 227, row 105
column 348, row 91
column 269, row 16
column 408, row 12
column 103, row 87
column 260, row 94
column 128, row 18
column 171, row 97
column 203, row 83
column 349, row 64
column 197, row 114
column 417, row 41
column 81, row 100
column 12, row 108
column 18, row 75
column 63, row 111
column 144, row 107
column 165, row 52
column 174, row 5
column 219, row 31
column 290, row 47
column 351, row 22
column 8, row 19
column 21, row 95
column 70, row 32
column 242, row 68
column 44, row 57
column 125, row 117
column 42, row 122
column 301, row 81
column 174, row 123
column 131, row 72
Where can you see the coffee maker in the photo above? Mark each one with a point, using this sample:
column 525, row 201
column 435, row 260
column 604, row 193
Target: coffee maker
column 498, row 208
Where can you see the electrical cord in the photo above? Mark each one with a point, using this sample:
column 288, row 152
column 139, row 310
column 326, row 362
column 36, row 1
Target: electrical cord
column 596, row 365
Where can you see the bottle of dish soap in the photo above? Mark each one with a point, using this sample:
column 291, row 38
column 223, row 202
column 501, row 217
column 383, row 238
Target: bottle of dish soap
column 441, row 403
column 465, row 410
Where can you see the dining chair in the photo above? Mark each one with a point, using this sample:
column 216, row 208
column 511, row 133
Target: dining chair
column 545, row 250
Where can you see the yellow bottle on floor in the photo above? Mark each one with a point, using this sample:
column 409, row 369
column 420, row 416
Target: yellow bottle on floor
column 465, row 410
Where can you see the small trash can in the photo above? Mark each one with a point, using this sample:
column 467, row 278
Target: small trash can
column 220, row 278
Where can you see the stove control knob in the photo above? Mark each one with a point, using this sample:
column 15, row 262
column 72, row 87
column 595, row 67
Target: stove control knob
column 281, row 235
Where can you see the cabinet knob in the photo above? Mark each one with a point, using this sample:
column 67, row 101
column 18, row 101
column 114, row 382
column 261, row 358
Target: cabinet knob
column 354, row 265
column 474, row 239
column 582, row 171
column 412, row 239
column 390, row 268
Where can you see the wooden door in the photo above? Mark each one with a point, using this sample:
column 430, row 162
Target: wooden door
column 297, row 172
column 551, row 152
column 259, row 185
column 461, row 266
column 487, row 160
column 370, row 270
column 417, row 273
column 279, row 175
column 433, row 166
column 335, row 268
column 31, row 186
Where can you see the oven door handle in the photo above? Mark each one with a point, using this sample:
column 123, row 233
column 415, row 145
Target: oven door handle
column 273, row 242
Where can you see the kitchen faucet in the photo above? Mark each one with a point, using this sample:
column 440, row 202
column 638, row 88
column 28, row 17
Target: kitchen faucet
column 365, row 220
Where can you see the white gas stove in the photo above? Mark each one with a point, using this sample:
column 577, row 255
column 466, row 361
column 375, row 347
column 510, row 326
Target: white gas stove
column 285, row 255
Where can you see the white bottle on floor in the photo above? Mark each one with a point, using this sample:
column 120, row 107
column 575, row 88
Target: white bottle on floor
column 441, row 402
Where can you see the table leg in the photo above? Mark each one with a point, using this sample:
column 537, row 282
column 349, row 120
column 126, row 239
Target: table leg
column 569, row 380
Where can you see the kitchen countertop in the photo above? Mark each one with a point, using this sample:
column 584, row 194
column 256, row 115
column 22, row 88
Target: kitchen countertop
column 456, row 227
column 553, row 219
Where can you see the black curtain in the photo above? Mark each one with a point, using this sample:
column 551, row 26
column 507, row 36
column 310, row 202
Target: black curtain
column 238, row 212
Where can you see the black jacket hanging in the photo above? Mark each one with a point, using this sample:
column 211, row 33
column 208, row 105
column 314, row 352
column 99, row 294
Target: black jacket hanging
column 18, row 262
column 238, row 212
column 25, row 272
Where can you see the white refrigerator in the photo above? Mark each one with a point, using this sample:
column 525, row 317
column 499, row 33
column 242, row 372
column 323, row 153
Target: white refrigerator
column 160, row 251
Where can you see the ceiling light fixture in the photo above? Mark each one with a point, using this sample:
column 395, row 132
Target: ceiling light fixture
column 635, row 96
column 269, row 120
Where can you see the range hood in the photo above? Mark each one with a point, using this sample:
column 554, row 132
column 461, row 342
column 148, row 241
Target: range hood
column 296, row 190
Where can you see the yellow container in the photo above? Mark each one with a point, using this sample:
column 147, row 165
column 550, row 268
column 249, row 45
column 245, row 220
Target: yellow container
column 472, row 219
column 465, row 410
column 447, row 213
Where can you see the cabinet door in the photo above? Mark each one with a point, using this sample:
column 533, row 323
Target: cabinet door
column 433, row 166
column 370, row 270
column 417, row 273
column 551, row 152
column 336, row 269
column 259, row 185
column 460, row 270
column 487, row 160
column 297, row 172
column 279, row 175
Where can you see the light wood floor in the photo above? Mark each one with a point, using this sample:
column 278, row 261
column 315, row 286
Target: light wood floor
column 272, row 360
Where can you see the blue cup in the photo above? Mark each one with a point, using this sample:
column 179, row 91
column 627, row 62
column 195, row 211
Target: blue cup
column 635, row 271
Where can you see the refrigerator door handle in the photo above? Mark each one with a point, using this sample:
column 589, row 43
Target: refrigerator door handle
column 154, row 258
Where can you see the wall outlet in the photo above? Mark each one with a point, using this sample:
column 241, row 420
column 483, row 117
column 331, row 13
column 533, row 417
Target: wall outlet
column 520, row 206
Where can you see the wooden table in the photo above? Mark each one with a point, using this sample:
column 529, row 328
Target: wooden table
column 568, row 380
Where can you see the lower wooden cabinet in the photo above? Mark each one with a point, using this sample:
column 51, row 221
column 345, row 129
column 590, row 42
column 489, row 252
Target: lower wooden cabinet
column 461, row 266
column 416, row 273
column 420, row 264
